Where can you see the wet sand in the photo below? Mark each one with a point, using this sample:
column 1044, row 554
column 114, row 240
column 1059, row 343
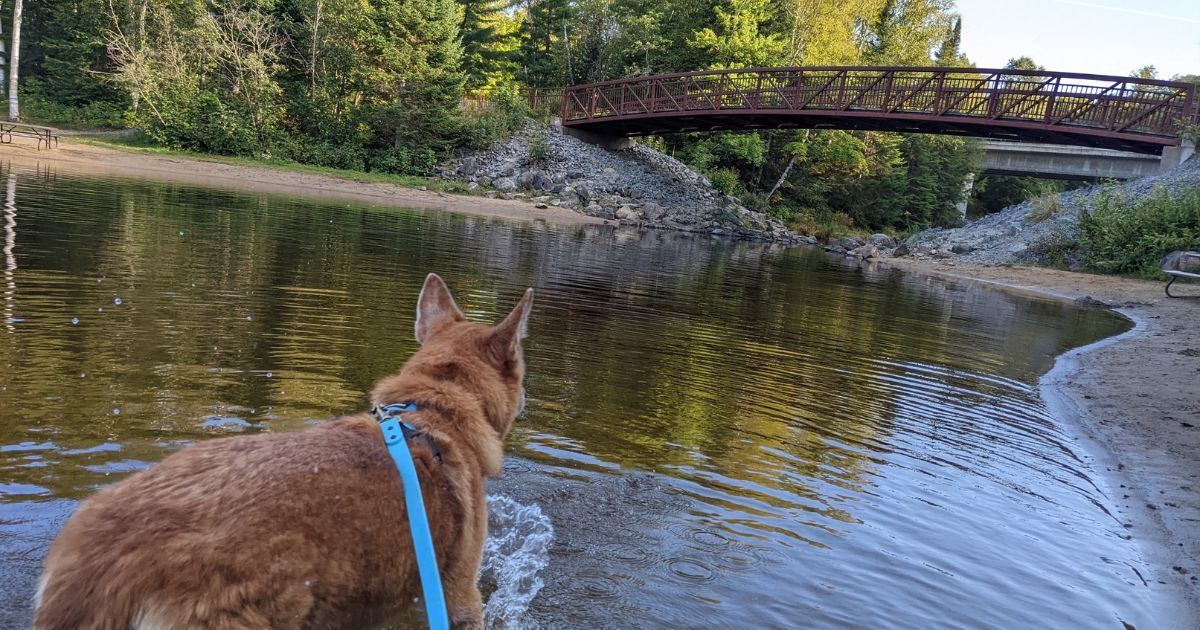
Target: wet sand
column 1137, row 398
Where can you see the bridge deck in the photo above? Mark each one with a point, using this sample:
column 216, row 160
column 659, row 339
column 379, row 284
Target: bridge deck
column 1121, row 113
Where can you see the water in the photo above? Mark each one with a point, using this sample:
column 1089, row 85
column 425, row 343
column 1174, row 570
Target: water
column 717, row 434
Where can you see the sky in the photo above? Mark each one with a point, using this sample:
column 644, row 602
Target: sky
column 1094, row 36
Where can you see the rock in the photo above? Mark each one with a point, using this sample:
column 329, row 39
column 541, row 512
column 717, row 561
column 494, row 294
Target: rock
column 469, row 165
column 882, row 241
column 507, row 169
column 540, row 205
column 851, row 242
column 593, row 210
column 652, row 211
column 962, row 248
column 473, row 186
column 1088, row 301
column 901, row 250
column 504, row 184
column 626, row 213
column 865, row 252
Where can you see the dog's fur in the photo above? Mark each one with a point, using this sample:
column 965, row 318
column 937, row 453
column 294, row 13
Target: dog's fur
column 308, row 529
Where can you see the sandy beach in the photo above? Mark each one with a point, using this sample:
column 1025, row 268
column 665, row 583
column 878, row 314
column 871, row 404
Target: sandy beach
column 91, row 158
column 1135, row 398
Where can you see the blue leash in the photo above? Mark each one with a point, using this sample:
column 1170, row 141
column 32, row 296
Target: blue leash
column 395, row 436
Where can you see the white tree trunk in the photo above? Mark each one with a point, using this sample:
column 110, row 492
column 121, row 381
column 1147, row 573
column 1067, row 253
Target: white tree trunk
column 14, row 110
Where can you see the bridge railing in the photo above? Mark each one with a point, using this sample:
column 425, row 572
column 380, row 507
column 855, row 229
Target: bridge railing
column 1115, row 104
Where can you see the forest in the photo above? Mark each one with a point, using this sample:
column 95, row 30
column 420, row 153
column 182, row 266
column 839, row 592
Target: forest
column 398, row 86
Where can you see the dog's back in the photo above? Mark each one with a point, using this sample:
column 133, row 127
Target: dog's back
column 303, row 529
column 244, row 532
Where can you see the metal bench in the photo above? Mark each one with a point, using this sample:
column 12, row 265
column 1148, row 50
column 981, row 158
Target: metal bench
column 47, row 135
column 1177, row 261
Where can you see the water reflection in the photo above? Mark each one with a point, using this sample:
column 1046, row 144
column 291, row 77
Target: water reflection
column 719, row 433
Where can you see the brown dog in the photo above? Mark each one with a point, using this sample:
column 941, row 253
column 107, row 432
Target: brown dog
column 308, row 529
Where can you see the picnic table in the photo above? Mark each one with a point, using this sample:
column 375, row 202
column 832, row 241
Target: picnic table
column 47, row 135
column 1178, row 262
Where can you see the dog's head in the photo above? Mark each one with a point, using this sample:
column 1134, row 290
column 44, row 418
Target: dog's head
column 485, row 360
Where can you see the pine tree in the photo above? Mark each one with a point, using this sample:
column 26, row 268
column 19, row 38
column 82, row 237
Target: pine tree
column 949, row 54
column 546, row 25
column 486, row 49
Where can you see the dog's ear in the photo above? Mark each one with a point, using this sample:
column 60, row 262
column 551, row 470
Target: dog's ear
column 507, row 335
column 435, row 306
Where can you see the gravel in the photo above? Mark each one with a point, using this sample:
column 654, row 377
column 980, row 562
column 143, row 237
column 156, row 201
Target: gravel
column 637, row 186
column 1012, row 236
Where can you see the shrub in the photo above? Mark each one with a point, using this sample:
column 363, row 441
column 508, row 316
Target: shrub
column 1043, row 208
column 103, row 114
column 504, row 111
column 1130, row 236
column 724, row 180
column 538, row 147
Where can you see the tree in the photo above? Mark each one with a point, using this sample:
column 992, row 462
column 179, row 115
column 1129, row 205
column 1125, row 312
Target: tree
column 14, row 109
column 545, row 61
column 744, row 39
column 486, row 47
column 949, row 54
column 905, row 31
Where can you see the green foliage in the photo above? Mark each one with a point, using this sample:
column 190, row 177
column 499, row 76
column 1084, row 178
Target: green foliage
column 724, row 180
column 37, row 107
column 488, row 44
column 504, row 111
column 742, row 40
column 538, row 147
column 1131, row 236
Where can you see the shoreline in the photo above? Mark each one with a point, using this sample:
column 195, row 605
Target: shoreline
column 264, row 178
column 1131, row 399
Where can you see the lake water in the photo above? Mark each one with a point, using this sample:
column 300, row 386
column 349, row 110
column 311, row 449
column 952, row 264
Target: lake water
column 718, row 434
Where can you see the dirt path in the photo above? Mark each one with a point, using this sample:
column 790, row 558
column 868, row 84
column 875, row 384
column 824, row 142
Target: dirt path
column 91, row 158
column 1137, row 397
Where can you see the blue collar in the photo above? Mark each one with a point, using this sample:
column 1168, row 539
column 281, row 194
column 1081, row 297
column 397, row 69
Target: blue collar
column 396, row 434
column 384, row 412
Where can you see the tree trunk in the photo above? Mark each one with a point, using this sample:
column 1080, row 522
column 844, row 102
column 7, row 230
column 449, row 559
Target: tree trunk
column 3, row 59
column 14, row 110
column 787, row 169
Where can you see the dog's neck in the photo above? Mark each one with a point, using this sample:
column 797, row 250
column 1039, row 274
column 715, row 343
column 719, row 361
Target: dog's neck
column 451, row 414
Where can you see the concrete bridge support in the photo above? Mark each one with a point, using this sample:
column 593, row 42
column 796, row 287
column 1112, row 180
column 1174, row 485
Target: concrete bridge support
column 1057, row 161
column 615, row 143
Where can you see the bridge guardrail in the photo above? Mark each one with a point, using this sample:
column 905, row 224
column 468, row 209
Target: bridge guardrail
column 1146, row 110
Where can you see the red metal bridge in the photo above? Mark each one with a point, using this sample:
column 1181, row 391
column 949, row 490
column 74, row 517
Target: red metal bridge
column 1124, row 113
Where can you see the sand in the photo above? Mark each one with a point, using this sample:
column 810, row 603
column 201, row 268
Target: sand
column 1136, row 397
column 90, row 158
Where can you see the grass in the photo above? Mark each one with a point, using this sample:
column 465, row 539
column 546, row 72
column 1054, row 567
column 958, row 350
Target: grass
column 139, row 143
column 1044, row 207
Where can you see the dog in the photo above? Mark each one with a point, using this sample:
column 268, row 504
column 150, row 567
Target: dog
column 305, row 529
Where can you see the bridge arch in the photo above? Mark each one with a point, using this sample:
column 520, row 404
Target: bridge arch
column 1121, row 113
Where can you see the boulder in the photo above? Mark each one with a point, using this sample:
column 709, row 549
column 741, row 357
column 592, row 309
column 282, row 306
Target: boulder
column 469, row 165
column 626, row 213
column 882, row 241
column 505, row 184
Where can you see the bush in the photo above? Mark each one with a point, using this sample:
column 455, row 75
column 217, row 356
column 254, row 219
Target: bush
column 36, row 108
column 538, row 147
column 344, row 156
column 1130, row 236
column 504, row 111
column 724, row 180
column 403, row 160
column 1043, row 208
